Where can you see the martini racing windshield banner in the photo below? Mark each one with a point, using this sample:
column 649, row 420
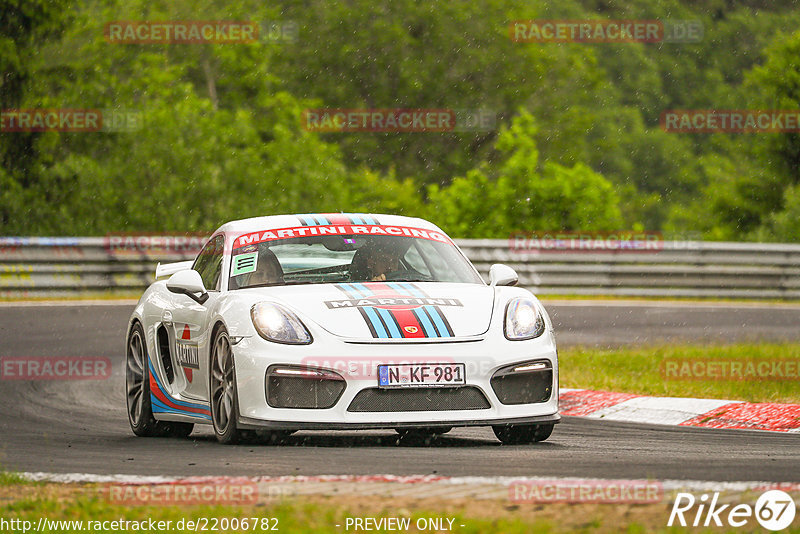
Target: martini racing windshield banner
column 347, row 229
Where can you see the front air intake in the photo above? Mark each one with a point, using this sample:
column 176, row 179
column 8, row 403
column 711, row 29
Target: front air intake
column 303, row 388
column 419, row 400
column 524, row 383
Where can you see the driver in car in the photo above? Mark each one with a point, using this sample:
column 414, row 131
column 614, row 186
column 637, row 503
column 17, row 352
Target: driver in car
column 382, row 261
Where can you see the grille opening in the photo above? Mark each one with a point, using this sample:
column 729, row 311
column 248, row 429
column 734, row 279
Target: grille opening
column 419, row 399
column 301, row 392
column 163, row 350
column 523, row 387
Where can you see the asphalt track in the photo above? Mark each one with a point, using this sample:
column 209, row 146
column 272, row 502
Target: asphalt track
column 81, row 427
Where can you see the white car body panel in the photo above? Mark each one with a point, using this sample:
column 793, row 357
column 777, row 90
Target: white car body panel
column 167, row 269
column 468, row 306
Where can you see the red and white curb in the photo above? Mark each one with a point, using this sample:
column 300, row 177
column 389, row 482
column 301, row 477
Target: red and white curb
column 709, row 413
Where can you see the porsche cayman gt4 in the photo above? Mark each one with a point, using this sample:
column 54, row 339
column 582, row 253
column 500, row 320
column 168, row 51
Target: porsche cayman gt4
column 338, row 321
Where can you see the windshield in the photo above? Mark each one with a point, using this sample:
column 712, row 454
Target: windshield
column 348, row 258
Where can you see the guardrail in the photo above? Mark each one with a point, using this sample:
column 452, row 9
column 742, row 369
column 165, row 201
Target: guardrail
column 41, row 266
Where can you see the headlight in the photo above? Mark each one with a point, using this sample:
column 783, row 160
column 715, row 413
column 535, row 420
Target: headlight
column 523, row 320
column 275, row 323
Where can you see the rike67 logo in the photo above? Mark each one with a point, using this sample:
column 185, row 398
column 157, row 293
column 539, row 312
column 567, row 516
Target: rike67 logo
column 774, row 510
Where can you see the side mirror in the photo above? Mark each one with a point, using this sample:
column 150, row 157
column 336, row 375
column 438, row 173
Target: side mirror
column 189, row 283
column 502, row 275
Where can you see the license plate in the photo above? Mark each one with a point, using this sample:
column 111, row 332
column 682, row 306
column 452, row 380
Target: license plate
column 421, row 374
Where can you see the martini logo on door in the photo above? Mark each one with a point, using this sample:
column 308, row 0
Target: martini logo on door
column 188, row 355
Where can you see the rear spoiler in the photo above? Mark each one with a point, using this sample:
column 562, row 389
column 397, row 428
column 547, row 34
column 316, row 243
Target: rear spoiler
column 168, row 269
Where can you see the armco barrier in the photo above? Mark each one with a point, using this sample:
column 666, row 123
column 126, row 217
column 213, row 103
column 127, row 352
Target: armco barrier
column 679, row 269
column 39, row 266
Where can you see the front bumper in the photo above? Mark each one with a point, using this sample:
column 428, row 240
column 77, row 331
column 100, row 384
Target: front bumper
column 357, row 364
column 254, row 424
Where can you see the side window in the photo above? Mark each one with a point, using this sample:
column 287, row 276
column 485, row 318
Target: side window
column 209, row 263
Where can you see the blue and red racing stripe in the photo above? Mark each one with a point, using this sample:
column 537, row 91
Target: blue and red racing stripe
column 162, row 402
column 333, row 219
column 398, row 321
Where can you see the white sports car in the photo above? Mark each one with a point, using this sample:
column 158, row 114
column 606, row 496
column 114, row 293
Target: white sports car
column 338, row 321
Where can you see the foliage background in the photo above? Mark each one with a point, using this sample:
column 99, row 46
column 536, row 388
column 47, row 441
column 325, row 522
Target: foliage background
column 577, row 143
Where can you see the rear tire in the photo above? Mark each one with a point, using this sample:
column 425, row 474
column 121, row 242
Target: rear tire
column 522, row 434
column 224, row 396
column 137, row 386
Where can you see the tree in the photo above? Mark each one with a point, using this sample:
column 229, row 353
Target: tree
column 24, row 24
column 429, row 54
column 518, row 196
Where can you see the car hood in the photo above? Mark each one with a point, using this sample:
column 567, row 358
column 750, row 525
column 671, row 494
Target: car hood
column 393, row 311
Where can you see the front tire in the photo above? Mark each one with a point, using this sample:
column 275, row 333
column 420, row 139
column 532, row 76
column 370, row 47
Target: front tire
column 137, row 386
column 222, row 385
column 522, row 434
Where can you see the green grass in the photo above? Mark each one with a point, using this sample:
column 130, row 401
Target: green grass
column 79, row 296
column 296, row 516
column 321, row 514
column 11, row 479
column 639, row 370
